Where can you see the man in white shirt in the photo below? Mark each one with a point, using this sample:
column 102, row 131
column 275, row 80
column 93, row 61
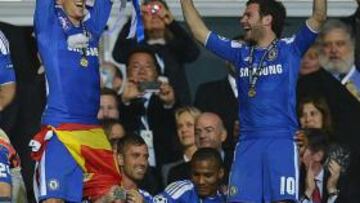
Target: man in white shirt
column 320, row 184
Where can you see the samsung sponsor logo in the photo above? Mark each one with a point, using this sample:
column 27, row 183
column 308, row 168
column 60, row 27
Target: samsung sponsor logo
column 275, row 69
column 92, row 51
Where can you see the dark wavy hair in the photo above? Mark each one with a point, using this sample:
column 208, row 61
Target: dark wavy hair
column 274, row 8
column 320, row 104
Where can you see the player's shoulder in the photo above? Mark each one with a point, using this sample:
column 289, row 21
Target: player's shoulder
column 4, row 44
column 303, row 30
column 145, row 193
column 148, row 198
column 178, row 188
column 233, row 43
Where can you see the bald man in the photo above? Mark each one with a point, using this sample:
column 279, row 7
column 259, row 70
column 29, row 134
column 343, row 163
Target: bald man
column 209, row 133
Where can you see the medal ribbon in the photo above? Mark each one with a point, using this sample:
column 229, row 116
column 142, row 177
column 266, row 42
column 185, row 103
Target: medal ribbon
column 254, row 74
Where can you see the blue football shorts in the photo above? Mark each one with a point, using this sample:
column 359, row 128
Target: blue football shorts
column 264, row 170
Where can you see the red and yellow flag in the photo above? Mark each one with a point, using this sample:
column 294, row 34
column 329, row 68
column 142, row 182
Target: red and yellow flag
column 91, row 149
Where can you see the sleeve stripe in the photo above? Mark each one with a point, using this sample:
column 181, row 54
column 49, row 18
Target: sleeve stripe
column 174, row 186
column 310, row 28
column 4, row 44
column 207, row 38
column 182, row 190
column 176, row 189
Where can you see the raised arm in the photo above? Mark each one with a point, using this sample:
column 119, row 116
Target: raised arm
column 44, row 15
column 98, row 16
column 319, row 15
column 194, row 21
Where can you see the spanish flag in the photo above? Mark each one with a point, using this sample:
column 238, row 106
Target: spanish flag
column 90, row 148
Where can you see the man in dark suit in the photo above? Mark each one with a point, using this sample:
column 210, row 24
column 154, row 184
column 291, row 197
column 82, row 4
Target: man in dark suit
column 319, row 182
column 220, row 97
column 173, row 46
column 209, row 132
column 147, row 106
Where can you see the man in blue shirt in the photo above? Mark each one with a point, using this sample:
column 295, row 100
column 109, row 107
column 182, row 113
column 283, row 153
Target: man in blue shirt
column 7, row 93
column 265, row 165
column 133, row 154
column 73, row 155
column 207, row 172
column 7, row 74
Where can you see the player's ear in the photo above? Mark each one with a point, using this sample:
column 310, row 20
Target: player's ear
column 120, row 159
column 267, row 20
column 221, row 173
column 223, row 135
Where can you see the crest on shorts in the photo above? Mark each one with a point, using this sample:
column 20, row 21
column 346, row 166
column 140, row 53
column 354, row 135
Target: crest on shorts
column 233, row 190
column 53, row 184
column 160, row 199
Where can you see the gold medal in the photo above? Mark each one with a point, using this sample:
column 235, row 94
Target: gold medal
column 84, row 62
column 252, row 92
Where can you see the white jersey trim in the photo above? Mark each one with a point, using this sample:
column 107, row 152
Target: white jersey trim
column 310, row 28
column 4, row 44
column 207, row 38
column 178, row 188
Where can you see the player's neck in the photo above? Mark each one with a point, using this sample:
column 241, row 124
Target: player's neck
column 128, row 183
column 76, row 22
column 266, row 40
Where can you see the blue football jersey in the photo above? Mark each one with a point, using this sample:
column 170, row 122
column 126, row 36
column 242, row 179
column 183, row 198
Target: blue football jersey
column 7, row 74
column 4, row 165
column 185, row 192
column 148, row 198
column 73, row 90
column 273, row 108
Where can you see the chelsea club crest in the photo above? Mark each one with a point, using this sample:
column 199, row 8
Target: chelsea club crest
column 272, row 55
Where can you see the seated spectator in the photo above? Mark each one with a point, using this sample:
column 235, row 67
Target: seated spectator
column 172, row 44
column 337, row 55
column 147, row 107
column 113, row 130
column 209, row 132
column 132, row 156
column 208, row 99
column 108, row 104
column 207, row 172
column 314, row 113
column 320, row 180
column 185, row 124
column 310, row 61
